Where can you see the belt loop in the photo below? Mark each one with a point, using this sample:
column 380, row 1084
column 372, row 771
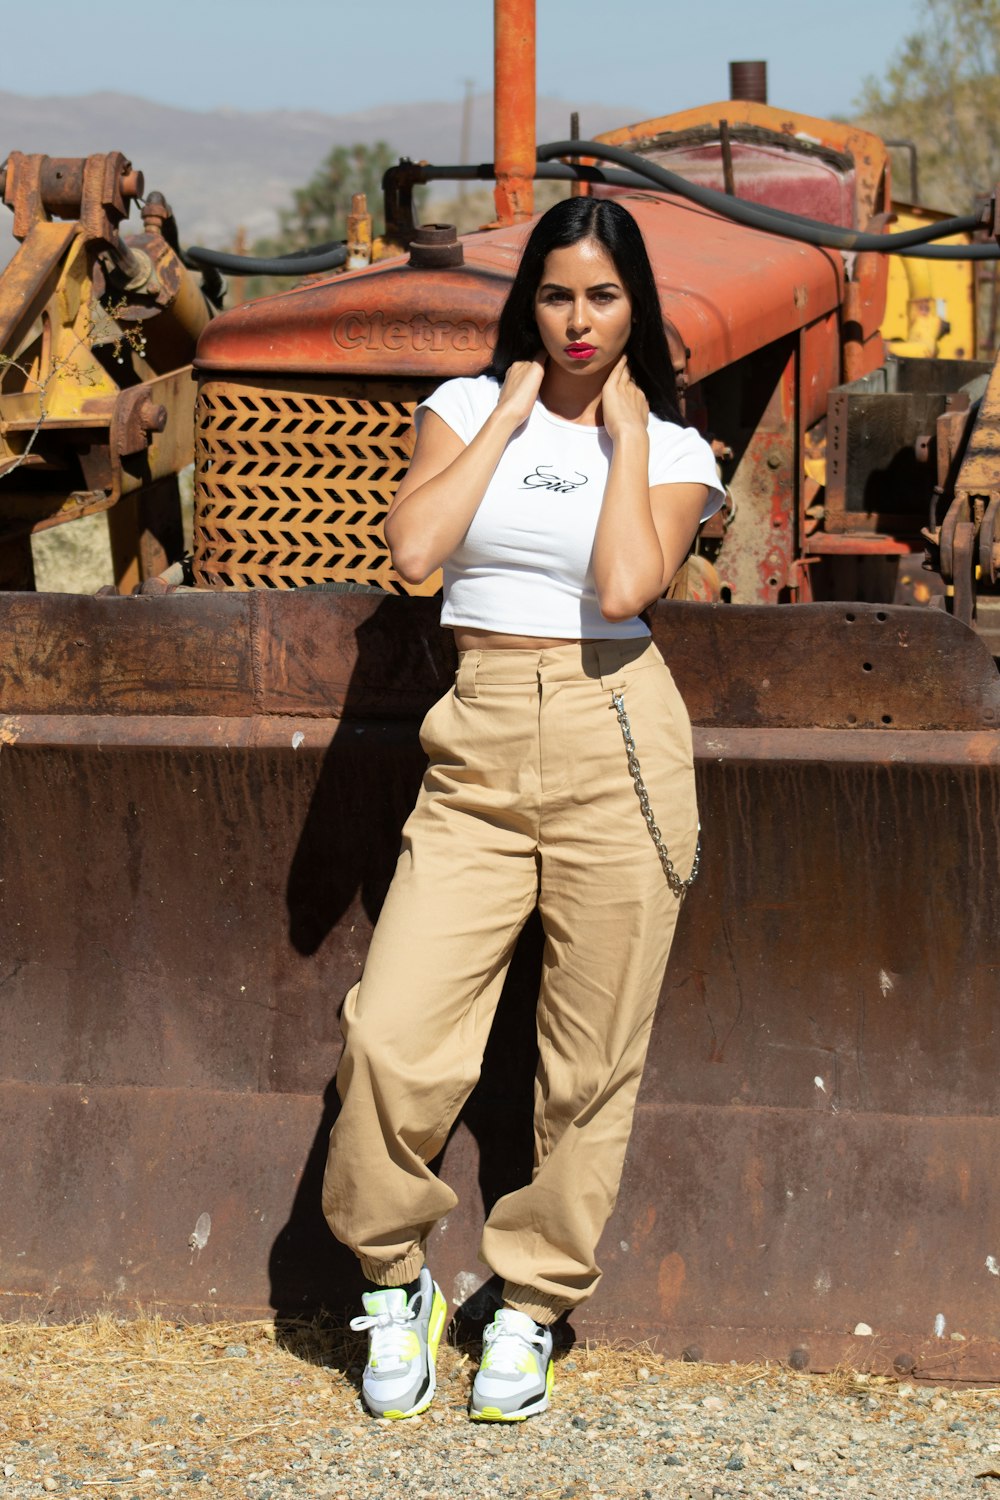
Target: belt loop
column 465, row 684
column 609, row 659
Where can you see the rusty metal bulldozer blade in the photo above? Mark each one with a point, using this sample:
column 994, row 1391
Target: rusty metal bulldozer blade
column 201, row 797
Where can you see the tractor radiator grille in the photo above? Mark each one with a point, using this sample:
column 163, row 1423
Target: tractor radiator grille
column 293, row 480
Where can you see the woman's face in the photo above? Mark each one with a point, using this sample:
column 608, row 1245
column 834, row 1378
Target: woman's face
column 583, row 312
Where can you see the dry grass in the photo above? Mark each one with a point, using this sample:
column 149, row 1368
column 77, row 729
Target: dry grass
column 149, row 1403
column 154, row 1405
column 159, row 1351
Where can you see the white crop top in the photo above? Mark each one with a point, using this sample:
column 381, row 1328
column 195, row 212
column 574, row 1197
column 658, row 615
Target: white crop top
column 524, row 565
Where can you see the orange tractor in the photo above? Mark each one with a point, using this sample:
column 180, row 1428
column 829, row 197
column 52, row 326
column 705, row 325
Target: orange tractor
column 202, row 783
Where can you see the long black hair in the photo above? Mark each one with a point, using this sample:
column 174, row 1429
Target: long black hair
column 612, row 227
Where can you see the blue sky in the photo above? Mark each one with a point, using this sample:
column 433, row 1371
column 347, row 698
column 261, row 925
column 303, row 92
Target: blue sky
column 341, row 55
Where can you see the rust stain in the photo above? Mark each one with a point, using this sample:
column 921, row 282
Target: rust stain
column 10, row 730
column 644, row 1226
column 670, row 1283
column 963, row 1181
column 753, row 1186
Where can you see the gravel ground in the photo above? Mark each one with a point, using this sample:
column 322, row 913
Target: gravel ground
column 151, row 1408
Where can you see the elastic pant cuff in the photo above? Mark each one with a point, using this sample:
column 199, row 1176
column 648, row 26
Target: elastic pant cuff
column 396, row 1273
column 538, row 1305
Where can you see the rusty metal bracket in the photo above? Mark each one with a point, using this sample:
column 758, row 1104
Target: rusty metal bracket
column 864, row 299
column 397, row 194
column 957, row 545
column 963, row 553
column 969, row 470
column 990, row 218
column 950, row 431
column 946, row 538
column 679, row 356
column 136, row 417
column 989, row 548
column 97, row 190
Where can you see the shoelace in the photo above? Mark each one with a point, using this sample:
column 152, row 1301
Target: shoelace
column 390, row 1341
column 504, row 1346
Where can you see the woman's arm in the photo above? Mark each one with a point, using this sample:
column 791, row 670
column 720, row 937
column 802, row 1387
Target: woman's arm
column 643, row 535
column 447, row 478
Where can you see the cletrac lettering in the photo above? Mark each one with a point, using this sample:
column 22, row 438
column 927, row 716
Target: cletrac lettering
column 374, row 331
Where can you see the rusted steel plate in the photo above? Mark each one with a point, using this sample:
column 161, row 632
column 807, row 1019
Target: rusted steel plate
column 795, row 1220
column 811, row 1106
column 350, row 655
column 68, row 654
column 687, row 1234
column 182, row 911
column 204, row 652
column 207, row 881
column 374, row 656
column 940, row 748
column 865, row 746
column 850, row 666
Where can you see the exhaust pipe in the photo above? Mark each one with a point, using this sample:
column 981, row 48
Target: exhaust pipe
column 748, row 81
column 514, row 109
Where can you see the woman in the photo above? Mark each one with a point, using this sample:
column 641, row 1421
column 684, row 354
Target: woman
column 560, row 496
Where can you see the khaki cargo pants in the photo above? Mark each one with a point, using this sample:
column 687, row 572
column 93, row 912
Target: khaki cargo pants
column 527, row 799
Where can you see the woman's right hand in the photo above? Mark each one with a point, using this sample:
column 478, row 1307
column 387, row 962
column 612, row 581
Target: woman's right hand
column 448, row 478
column 520, row 388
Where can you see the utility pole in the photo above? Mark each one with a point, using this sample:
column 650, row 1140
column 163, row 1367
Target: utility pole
column 465, row 137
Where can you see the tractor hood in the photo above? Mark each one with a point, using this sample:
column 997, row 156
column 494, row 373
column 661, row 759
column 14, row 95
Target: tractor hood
column 725, row 290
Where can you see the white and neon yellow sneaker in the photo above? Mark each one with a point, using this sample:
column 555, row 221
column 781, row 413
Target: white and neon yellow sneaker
column 514, row 1380
column 403, row 1338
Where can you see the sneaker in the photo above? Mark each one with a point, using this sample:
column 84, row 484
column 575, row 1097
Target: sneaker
column 403, row 1338
column 515, row 1377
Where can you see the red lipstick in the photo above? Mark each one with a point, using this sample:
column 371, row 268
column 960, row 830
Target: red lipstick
column 580, row 351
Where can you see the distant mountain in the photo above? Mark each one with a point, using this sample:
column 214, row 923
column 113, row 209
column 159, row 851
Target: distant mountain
column 222, row 168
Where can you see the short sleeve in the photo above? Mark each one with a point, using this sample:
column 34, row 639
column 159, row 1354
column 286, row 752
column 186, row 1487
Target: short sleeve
column 463, row 403
column 679, row 455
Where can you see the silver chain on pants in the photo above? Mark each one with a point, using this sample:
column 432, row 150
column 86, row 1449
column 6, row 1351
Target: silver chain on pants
column 677, row 885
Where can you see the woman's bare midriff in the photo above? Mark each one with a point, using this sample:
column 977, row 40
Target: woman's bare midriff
column 469, row 639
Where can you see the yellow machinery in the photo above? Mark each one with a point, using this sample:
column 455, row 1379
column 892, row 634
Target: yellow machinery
column 96, row 336
column 930, row 306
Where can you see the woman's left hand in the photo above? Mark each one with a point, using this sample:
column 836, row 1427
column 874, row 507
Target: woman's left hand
column 623, row 403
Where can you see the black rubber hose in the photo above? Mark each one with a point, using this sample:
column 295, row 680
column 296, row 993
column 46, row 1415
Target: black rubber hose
column 951, row 252
column 777, row 218
column 328, row 257
column 915, row 242
column 545, row 172
column 325, row 257
column 638, row 173
column 775, row 221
